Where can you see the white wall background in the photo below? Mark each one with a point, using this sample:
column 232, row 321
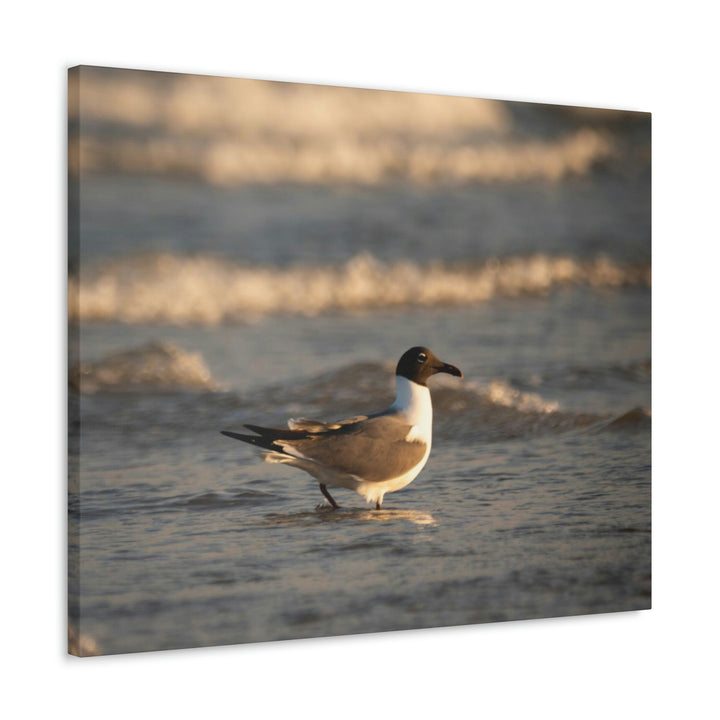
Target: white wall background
column 638, row 56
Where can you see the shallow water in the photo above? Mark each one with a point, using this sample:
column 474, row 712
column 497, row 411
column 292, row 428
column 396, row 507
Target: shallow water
column 535, row 501
column 199, row 544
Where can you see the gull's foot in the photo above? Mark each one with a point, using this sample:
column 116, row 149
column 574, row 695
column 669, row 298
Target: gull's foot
column 324, row 507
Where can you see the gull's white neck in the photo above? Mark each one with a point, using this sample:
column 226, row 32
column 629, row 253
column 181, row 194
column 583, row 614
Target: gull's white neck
column 414, row 402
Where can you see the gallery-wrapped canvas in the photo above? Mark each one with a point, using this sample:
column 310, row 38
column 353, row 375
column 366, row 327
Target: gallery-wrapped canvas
column 434, row 314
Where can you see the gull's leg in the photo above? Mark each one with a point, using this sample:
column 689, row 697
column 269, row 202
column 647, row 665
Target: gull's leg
column 331, row 499
column 378, row 505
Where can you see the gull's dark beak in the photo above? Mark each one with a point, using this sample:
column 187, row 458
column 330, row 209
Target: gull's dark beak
column 450, row 369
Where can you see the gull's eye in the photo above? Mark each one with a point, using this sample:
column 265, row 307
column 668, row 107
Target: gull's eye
column 422, row 357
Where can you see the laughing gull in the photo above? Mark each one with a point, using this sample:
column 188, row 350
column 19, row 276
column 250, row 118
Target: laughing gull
column 371, row 454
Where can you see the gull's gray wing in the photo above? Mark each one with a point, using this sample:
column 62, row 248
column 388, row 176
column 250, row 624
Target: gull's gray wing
column 373, row 449
column 315, row 426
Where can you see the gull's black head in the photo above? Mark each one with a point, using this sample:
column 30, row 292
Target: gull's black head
column 418, row 364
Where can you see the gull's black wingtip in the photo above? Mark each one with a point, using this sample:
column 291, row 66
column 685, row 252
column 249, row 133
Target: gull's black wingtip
column 262, row 442
column 235, row 436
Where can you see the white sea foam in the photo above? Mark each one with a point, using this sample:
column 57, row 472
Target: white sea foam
column 357, row 160
column 502, row 393
column 166, row 288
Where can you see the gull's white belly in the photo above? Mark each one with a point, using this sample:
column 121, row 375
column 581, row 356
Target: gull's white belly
column 374, row 491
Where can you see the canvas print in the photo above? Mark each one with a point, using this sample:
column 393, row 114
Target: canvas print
column 348, row 361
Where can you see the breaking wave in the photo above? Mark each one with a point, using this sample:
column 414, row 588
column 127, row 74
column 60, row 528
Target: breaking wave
column 227, row 131
column 469, row 410
column 181, row 290
column 157, row 366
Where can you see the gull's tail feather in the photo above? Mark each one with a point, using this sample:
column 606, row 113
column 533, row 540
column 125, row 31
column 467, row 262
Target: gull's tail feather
column 265, row 439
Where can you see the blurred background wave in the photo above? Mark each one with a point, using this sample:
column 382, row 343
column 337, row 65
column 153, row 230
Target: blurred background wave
column 227, row 131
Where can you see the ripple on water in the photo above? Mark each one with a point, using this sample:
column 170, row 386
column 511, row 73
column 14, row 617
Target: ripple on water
column 326, row 514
